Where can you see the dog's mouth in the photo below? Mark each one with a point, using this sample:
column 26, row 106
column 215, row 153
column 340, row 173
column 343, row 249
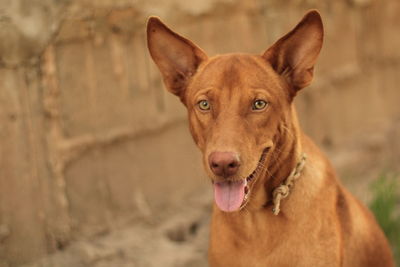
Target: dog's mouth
column 234, row 195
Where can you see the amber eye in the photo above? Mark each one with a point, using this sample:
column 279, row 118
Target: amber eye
column 204, row 105
column 259, row 104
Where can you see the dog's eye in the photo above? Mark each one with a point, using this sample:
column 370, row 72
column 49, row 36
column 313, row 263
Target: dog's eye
column 204, row 105
column 259, row 104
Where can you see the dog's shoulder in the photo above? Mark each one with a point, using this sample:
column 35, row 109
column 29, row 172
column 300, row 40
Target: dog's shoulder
column 364, row 243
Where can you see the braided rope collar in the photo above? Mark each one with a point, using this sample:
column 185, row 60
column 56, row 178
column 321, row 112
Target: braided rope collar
column 283, row 190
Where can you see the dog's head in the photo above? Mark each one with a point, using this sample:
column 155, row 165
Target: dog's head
column 236, row 103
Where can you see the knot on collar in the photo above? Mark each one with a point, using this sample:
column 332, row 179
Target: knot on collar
column 283, row 190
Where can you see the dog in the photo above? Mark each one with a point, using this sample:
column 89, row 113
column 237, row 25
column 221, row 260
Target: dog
column 278, row 201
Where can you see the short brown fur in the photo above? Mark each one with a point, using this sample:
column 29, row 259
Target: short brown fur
column 320, row 223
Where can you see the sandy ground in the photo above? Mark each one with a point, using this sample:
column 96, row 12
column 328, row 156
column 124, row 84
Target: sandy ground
column 178, row 239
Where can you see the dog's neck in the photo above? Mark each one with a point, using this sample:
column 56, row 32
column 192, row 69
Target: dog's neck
column 281, row 160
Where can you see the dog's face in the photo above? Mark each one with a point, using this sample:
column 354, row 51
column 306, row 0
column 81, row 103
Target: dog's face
column 237, row 103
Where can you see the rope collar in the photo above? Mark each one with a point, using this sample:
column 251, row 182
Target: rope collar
column 283, row 190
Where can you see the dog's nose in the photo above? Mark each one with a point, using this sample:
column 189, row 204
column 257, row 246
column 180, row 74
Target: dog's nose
column 224, row 164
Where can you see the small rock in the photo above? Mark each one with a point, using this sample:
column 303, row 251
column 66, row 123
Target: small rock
column 92, row 253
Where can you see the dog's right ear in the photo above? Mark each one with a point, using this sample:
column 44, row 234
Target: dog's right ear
column 176, row 57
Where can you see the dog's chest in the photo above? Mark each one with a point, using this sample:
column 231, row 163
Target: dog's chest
column 271, row 245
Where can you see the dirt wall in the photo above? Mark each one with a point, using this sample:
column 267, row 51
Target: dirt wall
column 89, row 138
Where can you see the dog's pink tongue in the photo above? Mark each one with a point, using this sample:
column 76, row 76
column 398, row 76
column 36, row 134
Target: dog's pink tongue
column 229, row 195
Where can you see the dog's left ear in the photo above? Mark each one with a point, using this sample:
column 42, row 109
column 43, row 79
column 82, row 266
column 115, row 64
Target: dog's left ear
column 294, row 55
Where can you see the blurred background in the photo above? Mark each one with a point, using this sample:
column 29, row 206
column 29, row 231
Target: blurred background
column 97, row 167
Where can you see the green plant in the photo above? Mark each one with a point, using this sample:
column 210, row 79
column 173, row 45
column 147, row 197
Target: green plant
column 385, row 205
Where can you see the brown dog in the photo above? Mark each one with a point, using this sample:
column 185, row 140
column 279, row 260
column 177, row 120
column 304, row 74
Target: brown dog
column 243, row 120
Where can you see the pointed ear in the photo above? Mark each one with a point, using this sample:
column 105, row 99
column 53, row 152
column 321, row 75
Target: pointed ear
column 176, row 57
column 294, row 55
